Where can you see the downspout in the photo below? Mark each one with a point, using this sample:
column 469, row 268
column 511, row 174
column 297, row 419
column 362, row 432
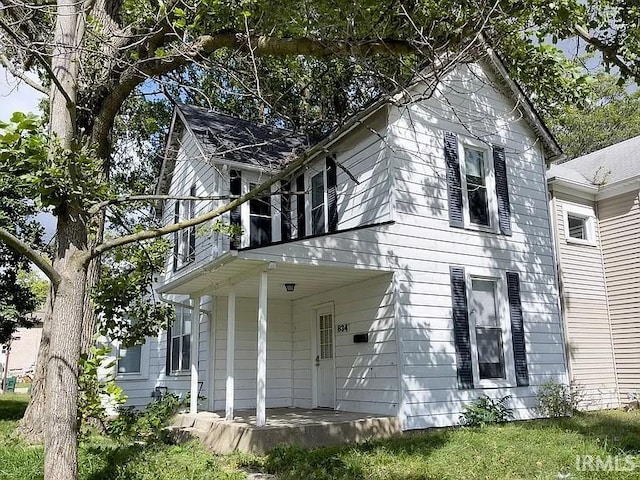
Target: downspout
column 606, row 297
column 557, row 268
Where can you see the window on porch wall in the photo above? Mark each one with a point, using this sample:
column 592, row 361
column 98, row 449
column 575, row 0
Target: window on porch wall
column 180, row 344
column 317, row 203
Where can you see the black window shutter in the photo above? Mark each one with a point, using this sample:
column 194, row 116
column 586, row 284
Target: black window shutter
column 454, row 185
column 461, row 328
column 192, row 230
column 502, row 191
column 168, row 357
column 332, row 194
column 235, row 190
column 300, row 206
column 517, row 329
column 285, row 214
column 176, row 235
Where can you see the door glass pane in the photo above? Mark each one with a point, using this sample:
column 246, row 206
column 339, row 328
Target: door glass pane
column 129, row 359
column 325, row 323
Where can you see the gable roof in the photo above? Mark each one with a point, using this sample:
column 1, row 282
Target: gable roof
column 234, row 139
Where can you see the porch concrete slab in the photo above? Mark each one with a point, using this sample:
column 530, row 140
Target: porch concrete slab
column 290, row 426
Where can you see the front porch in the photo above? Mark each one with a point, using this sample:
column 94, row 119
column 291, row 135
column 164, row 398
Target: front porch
column 328, row 341
column 308, row 428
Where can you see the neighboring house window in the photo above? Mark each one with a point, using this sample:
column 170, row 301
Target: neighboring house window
column 184, row 247
column 179, row 341
column 317, row 203
column 580, row 224
column 488, row 329
column 260, row 219
column 477, row 187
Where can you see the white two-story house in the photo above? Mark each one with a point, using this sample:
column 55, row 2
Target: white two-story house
column 405, row 269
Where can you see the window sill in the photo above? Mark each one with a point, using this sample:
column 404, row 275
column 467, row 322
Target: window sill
column 579, row 241
column 494, row 384
column 481, row 228
column 181, row 373
column 132, row 376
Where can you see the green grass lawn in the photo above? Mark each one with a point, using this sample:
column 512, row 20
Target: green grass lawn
column 543, row 449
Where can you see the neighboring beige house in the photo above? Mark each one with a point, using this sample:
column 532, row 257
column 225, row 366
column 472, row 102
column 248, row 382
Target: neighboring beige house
column 596, row 205
column 24, row 349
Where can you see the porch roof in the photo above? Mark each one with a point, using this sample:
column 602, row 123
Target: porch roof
column 241, row 270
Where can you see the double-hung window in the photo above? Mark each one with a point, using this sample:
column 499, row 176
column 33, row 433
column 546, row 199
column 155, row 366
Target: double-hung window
column 317, row 203
column 129, row 360
column 477, row 185
column 488, row 328
column 184, row 247
column 476, row 176
column 180, row 341
column 260, row 219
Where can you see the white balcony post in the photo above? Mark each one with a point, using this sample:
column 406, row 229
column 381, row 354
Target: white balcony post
column 261, row 386
column 231, row 336
column 195, row 348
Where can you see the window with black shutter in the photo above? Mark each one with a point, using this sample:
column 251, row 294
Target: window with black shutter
column 285, row 211
column 184, row 246
column 260, row 219
column 477, row 185
column 235, row 216
column 300, row 207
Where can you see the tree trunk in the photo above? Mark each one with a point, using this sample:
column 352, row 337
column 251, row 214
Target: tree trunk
column 61, row 428
column 31, row 426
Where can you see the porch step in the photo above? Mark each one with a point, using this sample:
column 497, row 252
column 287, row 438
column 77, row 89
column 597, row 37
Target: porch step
column 306, row 428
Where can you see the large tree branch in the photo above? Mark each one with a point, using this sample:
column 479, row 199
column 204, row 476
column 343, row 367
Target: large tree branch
column 159, row 232
column 205, row 45
column 609, row 53
column 148, row 198
column 37, row 258
column 21, row 75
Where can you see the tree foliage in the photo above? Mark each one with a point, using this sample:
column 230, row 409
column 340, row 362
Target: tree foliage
column 610, row 115
column 304, row 65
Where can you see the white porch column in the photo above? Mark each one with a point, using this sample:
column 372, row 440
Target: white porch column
column 195, row 348
column 231, row 340
column 262, row 352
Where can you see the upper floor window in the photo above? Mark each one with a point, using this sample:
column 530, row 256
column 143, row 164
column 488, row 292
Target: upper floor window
column 184, row 242
column 476, row 173
column 580, row 224
column 317, row 203
column 478, row 192
column 260, row 219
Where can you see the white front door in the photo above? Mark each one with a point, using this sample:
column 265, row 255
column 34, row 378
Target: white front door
column 325, row 363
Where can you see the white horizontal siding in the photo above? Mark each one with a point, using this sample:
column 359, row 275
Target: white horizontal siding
column 366, row 373
column 426, row 246
column 279, row 348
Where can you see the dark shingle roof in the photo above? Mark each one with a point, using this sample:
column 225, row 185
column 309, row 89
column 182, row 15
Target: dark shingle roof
column 239, row 140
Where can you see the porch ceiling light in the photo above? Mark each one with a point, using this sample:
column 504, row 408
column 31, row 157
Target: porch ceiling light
column 290, row 287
